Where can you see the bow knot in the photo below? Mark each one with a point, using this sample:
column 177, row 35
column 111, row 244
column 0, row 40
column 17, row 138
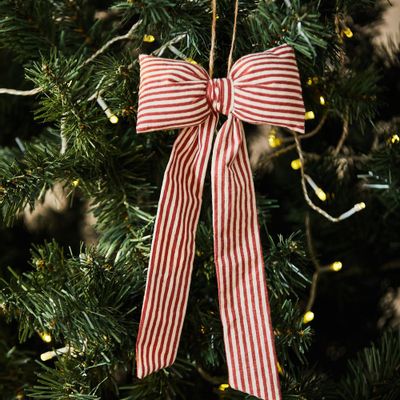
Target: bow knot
column 220, row 95
column 262, row 88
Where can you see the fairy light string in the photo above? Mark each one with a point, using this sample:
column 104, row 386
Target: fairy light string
column 356, row 208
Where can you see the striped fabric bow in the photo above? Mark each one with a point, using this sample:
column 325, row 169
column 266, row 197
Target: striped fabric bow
column 262, row 88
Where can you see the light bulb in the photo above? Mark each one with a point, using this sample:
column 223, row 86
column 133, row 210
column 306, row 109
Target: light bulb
column 336, row 266
column 347, row 32
column 309, row 115
column 395, row 138
column 110, row 115
column 191, row 61
column 360, row 206
column 113, row 119
column 296, row 164
column 273, row 140
column 321, row 194
column 149, row 38
column 278, row 366
column 308, row 317
column 46, row 337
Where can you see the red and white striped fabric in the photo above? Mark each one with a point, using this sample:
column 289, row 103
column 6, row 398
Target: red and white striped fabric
column 262, row 88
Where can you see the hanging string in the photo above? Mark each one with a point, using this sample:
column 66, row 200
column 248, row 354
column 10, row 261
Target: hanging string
column 230, row 58
column 213, row 37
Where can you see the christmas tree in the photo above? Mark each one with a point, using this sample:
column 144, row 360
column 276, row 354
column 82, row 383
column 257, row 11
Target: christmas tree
column 79, row 190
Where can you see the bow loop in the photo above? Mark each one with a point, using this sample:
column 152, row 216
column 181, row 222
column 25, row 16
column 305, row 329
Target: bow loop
column 172, row 94
column 268, row 89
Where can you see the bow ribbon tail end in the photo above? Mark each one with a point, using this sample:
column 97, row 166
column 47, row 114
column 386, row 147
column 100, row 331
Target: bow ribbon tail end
column 244, row 307
column 173, row 248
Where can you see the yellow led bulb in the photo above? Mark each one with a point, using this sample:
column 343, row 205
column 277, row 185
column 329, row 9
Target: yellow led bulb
column 113, row 119
column 223, row 387
column 309, row 115
column 280, row 370
column 347, row 32
column 395, row 138
column 191, row 61
column 296, row 164
column 360, row 206
column 149, row 38
column 274, row 141
column 321, row 194
column 46, row 337
column 336, row 266
column 308, row 317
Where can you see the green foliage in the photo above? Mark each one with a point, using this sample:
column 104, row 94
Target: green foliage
column 25, row 179
column 380, row 365
column 355, row 93
column 67, row 379
column 170, row 383
column 288, row 279
column 22, row 28
column 383, row 167
column 300, row 27
column 84, row 301
column 287, row 262
column 303, row 384
column 30, row 28
column 15, row 367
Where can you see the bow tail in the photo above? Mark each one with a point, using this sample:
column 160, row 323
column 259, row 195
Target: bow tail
column 172, row 249
column 243, row 297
